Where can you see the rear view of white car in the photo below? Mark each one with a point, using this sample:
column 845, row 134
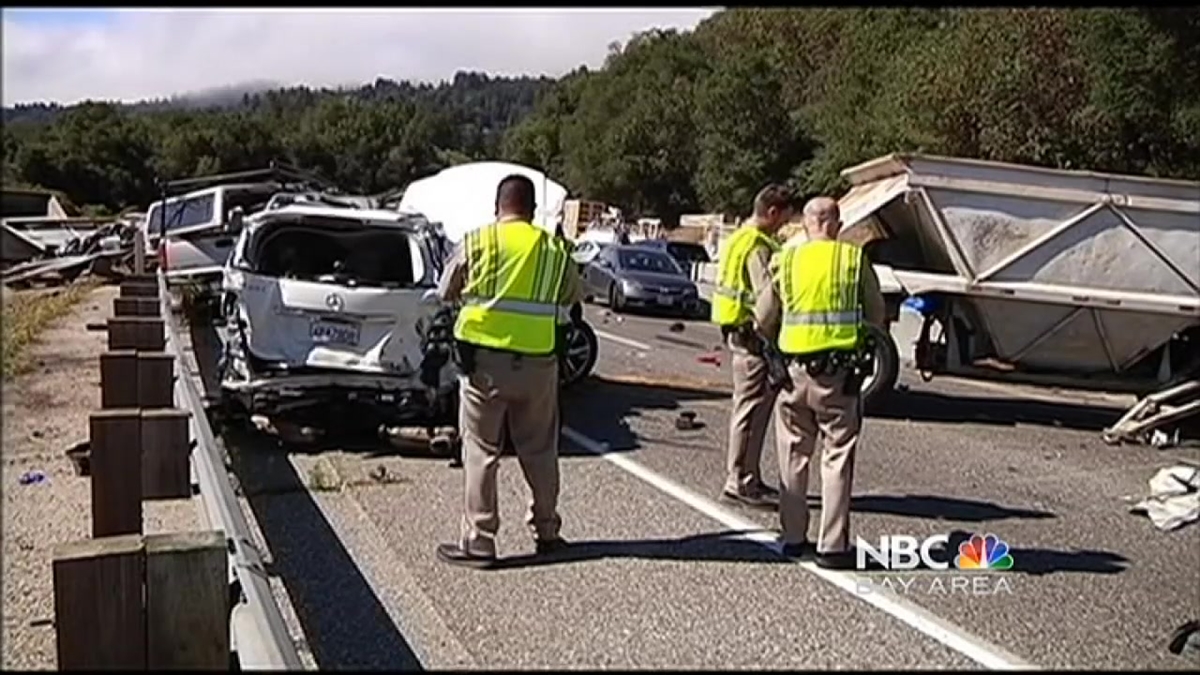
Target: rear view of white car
column 327, row 320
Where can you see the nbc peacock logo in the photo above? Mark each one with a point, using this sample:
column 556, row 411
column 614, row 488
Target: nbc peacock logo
column 988, row 552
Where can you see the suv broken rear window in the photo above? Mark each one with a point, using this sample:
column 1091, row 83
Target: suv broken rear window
column 368, row 257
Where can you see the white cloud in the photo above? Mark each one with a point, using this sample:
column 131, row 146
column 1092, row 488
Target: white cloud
column 145, row 54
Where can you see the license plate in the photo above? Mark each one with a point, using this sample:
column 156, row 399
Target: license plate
column 666, row 300
column 331, row 333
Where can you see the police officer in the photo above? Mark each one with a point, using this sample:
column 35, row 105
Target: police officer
column 744, row 304
column 516, row 282
column 828, row 290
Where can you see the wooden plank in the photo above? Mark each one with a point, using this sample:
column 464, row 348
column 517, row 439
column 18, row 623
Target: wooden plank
column 187, row 601
column 166, row 449
column 119, row 379
column 155, row 380
column 139, row 252
column 116, row 463
column 99, row 613
column 139, row 289
column 142, row 333
column 136, row 307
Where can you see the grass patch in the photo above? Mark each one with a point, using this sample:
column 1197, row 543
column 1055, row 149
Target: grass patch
column 28, row 313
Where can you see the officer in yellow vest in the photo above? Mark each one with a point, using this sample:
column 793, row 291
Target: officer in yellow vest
column 744, row 304
column 828, row 291
column 517, row 284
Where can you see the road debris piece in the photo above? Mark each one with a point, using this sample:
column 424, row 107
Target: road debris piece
column 80, row 455
column 669, row 339
column 714, row 359
column 686, row 421
column 1186, row 637
column 676, row 327
column 1174, row 499
column 32, row 477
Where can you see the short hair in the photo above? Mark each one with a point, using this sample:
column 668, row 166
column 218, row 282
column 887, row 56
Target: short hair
column 516, row 193
column 776, row 196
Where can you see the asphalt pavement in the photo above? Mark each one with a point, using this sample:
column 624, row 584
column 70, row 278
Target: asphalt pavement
column 663, row 575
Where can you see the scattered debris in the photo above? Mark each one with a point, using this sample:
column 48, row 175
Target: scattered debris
column 38, row 433
column 80, row 455
column 379, row 474
column 680, row 341
column 1174, row 499
column 32, row 477
column 1142, row 422
column 1159, row 439
column 676, row 327
column 686, row 421
column 1186, row 637
column 714, row 359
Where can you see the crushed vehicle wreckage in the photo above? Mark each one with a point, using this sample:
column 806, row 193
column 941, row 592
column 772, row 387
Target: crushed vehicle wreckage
column 325, row 313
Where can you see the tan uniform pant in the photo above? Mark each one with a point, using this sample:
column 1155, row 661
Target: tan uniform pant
column 517, row 395
column 753, row 400
column 817, row 408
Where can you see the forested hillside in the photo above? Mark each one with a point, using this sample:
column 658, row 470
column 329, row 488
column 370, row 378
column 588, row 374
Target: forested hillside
column 681, row 122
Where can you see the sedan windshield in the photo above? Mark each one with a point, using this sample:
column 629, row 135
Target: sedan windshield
column 648, row 261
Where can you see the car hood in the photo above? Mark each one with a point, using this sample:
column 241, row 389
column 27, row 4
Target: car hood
column 656, row 279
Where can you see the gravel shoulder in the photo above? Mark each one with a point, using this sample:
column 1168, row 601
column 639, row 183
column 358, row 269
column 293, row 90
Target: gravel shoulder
column 45, row 411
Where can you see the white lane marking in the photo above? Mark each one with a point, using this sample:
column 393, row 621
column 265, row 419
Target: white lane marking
column 622, row 340
column 975, row 648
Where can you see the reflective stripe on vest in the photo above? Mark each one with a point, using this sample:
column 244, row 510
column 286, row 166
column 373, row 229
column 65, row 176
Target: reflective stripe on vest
column 515, row 273
column 733, row 296
column 819, row 285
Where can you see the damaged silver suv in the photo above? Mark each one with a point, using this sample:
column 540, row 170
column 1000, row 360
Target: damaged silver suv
column 326, row 316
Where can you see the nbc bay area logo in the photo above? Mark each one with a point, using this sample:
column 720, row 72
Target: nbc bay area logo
column 975, row 569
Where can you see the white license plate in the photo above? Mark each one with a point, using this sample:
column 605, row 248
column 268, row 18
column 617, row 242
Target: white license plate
column 335, row 333
column 666, row 300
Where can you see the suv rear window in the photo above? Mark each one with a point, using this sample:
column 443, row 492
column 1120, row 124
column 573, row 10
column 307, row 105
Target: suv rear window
column 360, row 257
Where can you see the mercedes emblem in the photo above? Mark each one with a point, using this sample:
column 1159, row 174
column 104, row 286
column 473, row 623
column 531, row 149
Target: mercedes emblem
column 335, row 302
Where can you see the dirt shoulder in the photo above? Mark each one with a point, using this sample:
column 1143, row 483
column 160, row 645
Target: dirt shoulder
column 45, row 412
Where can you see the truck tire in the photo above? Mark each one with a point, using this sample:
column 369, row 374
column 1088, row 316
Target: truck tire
column 582, row 350
column 887, row 369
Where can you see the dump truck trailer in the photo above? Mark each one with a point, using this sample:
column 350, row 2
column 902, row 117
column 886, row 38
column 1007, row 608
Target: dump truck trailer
column 1066, row 278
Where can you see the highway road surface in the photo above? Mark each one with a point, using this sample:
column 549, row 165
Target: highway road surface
column 662, row 575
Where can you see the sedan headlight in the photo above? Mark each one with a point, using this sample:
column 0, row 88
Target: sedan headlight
column 630, row 286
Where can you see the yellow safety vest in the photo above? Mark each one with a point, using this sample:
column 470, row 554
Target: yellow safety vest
column 515, row 272
column 733, row 297
column 819, row 285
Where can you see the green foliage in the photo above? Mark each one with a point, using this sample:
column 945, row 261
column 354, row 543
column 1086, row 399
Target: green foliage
column 698, row 121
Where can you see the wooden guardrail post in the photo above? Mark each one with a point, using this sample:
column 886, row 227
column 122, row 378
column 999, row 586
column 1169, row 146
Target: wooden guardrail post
column 116, row 467
column 187, row 601
column 139, row 252
column 165, row 451
column 139, row 288
column 119, row 379
column 99, row 614
column 155, row 380
column 136, row 307
column 143, row 333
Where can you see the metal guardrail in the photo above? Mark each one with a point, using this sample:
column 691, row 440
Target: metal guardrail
column 258, row 631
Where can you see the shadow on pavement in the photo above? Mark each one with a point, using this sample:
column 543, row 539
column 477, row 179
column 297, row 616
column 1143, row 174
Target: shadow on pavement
column 938, row 508
column 926, row 406
column 601, row 408
column 712, row 547
column 1039, row 561
column 343, row 620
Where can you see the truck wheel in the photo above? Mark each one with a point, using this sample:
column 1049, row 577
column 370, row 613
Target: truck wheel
column 880, row 384
column 582, row 350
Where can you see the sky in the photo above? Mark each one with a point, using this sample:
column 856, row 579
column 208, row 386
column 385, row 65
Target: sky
column 67, row 56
